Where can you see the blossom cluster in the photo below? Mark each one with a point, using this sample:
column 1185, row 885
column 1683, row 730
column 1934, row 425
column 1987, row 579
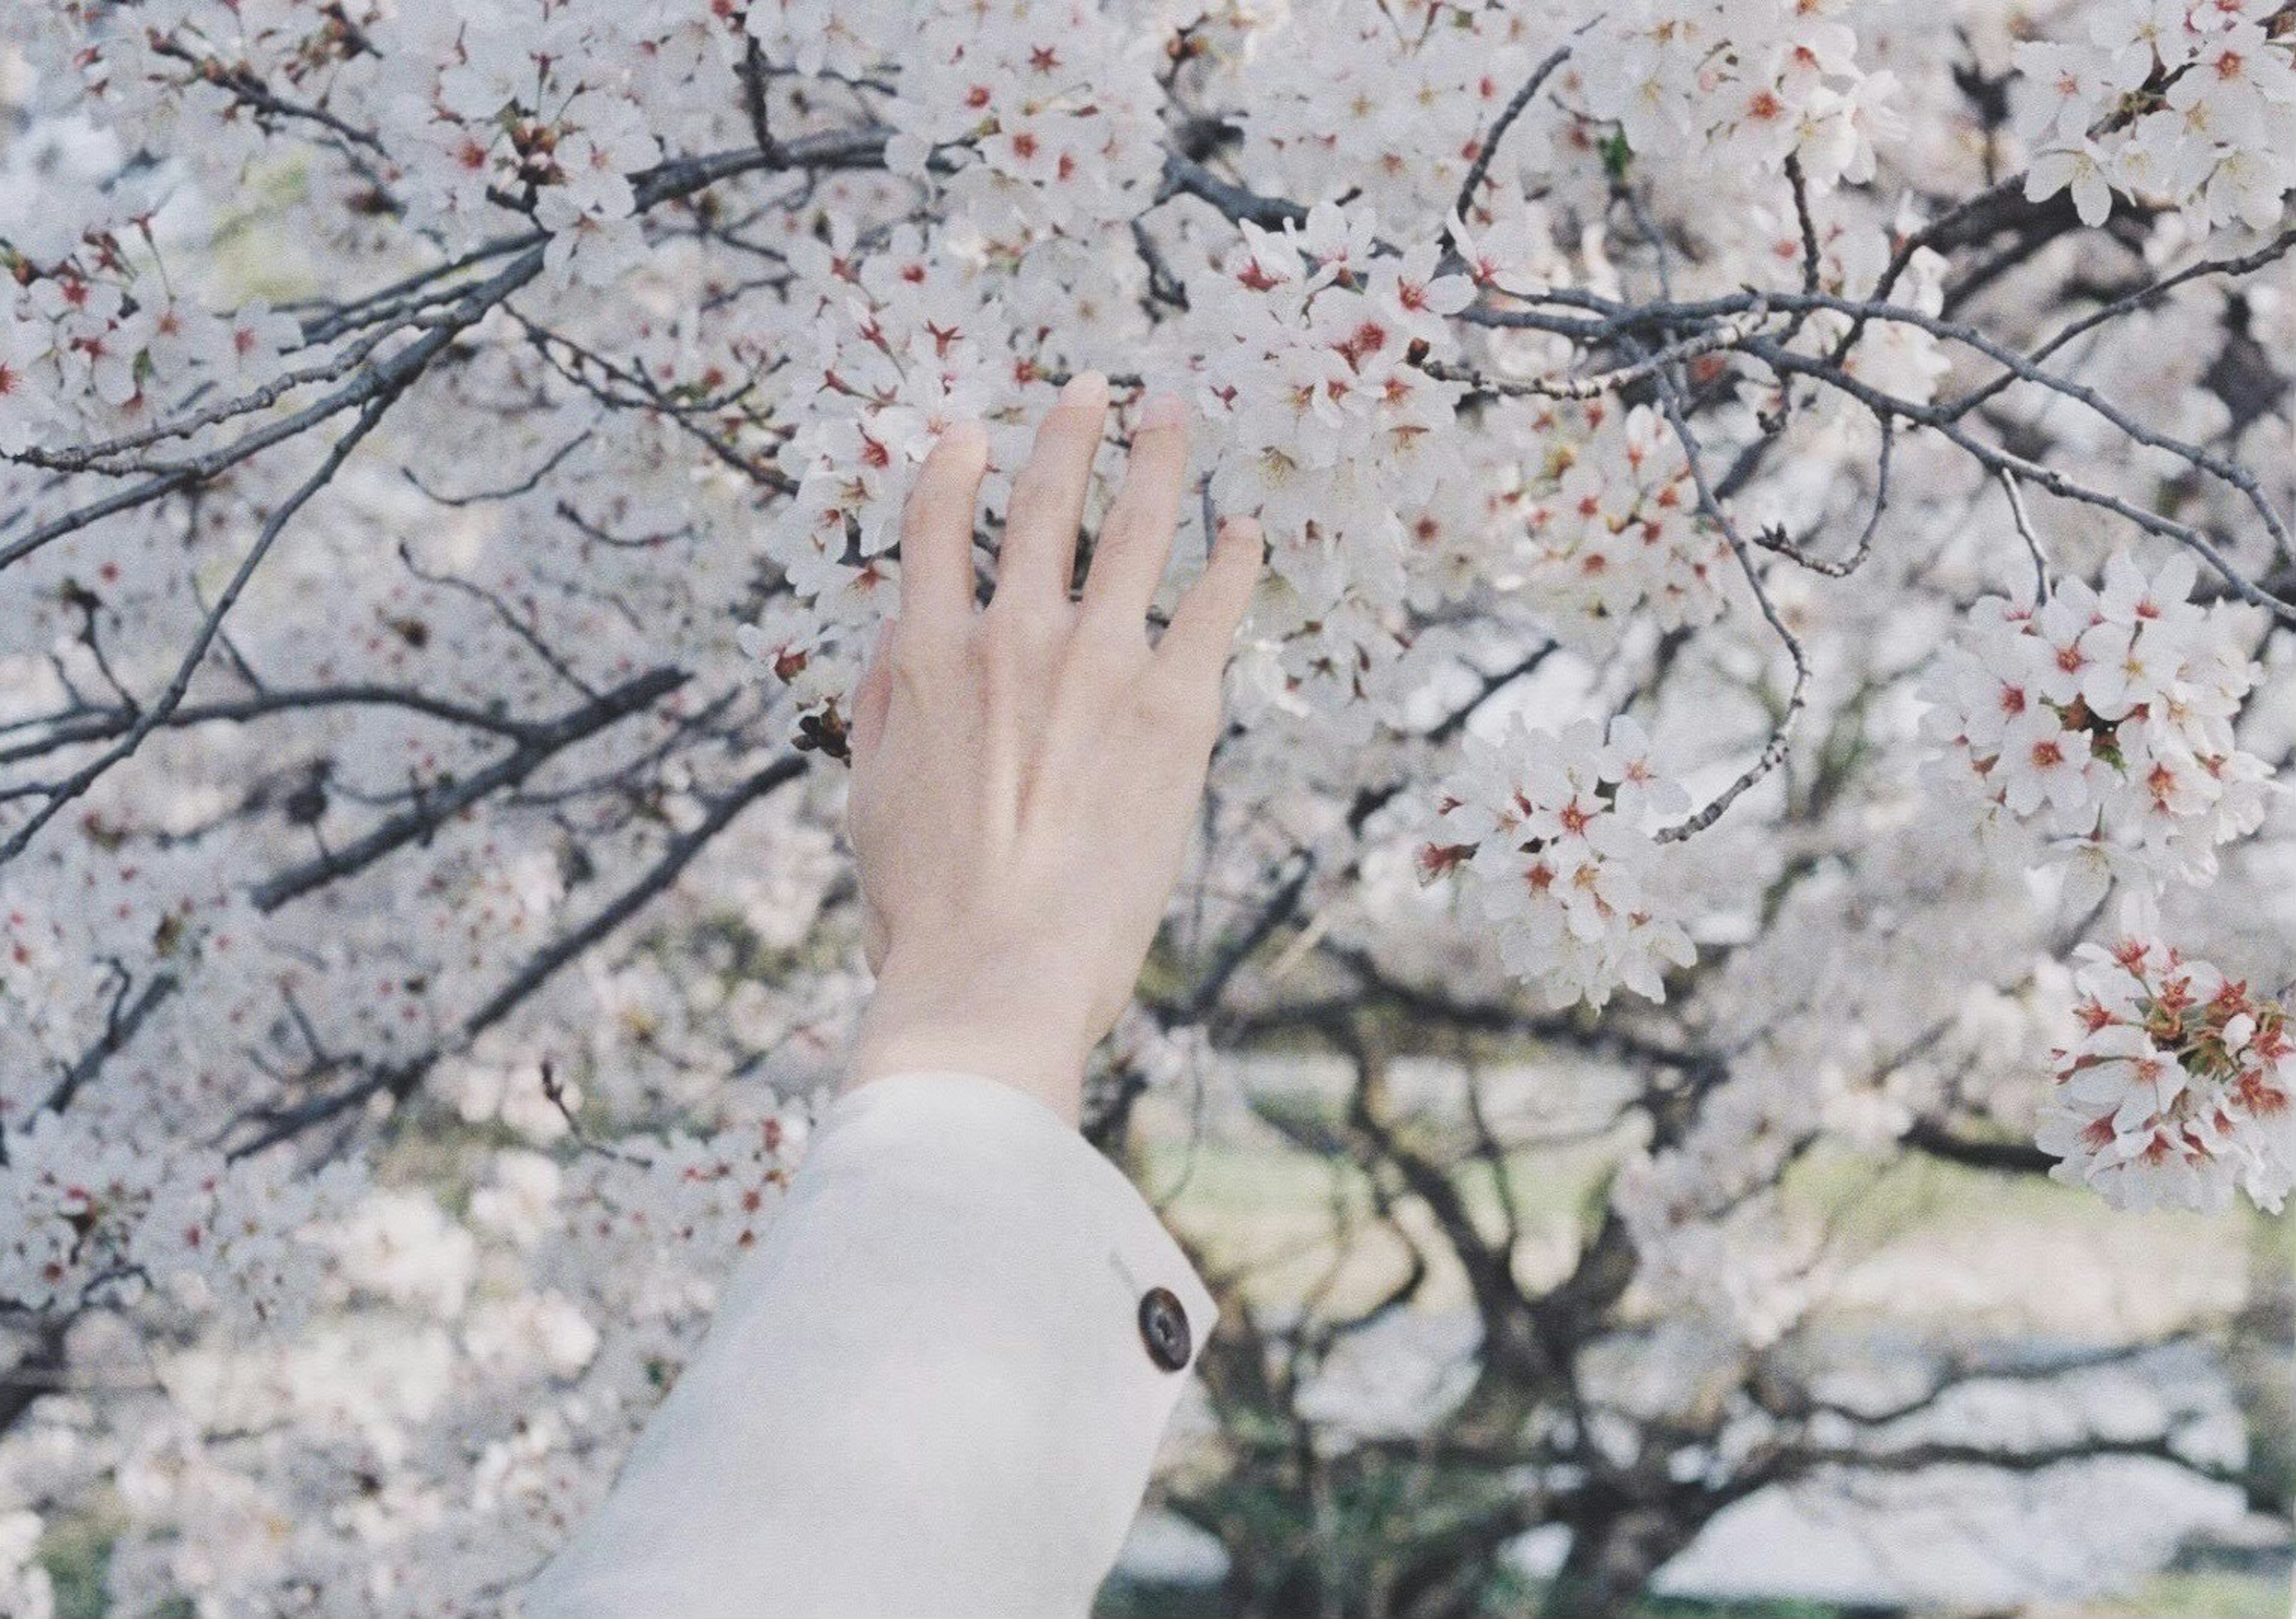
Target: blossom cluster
column 460, row 116
column 1026, row 119
column 516, row 122
column 904, row 342
column 2190, row 103
column 846, row 38
column 661, row 1219
column 2181, row 1085
column 1314, row 377
column 1047, row 111
column 1551, row 832
column 89, row 1210
column 1397, row 99
column 1613, row 526
column 1743, row 83
column 1718, row 1254
column 2095, row 730
column 79, row 356
column 1312, row 353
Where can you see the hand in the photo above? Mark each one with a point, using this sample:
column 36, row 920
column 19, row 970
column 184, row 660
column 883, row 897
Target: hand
column 1025, row 775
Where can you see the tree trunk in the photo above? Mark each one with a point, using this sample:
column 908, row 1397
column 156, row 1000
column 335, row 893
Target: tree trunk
column 2261, row 1356
column 1610, row 1563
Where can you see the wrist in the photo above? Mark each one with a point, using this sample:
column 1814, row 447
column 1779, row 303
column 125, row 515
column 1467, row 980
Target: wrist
column 1005, row 1026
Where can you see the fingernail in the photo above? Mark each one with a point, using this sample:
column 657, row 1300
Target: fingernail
column 1086, row 388
column 1162, row 410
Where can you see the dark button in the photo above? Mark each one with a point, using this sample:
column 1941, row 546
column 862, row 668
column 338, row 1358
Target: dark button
column 1164, row 1328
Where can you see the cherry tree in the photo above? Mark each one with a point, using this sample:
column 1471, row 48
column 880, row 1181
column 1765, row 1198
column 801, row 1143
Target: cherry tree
column 1780, row 582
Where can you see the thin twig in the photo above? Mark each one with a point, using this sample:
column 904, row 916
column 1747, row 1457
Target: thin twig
column 2025, row 532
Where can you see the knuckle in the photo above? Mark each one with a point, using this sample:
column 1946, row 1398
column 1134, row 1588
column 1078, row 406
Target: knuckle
column 1112, row 652
column 1111, row 625
column 1010, row 659
column 1119, row 531
column 917, row 663
column 1166, row 703
column 1027, row 622
column 1005, row 645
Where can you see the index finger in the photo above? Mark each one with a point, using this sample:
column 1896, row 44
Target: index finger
column 1135, row 541
column 936, row 547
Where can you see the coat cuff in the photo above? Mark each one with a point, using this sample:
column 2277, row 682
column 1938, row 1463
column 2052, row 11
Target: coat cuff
column 934, row 1390
column 967, row 1111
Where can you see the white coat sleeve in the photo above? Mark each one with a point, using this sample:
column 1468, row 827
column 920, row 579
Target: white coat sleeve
column 934, row 1391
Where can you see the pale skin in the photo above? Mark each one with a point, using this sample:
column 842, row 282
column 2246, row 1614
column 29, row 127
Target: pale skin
column 1026, row 774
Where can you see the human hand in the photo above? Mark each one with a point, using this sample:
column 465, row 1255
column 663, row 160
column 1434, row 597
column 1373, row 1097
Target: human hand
column 1025, row 775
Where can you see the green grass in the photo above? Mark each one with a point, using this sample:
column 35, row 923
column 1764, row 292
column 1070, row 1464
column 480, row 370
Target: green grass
column 2182, row 1596
column 1267, row 1210
column 2199, row 1595
column 75, row 1552
column 1119, row 1601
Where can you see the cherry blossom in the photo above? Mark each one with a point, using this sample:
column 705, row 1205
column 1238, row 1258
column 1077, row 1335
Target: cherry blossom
column 2181, row 1085
column 1613, row 525
column 2192, row 104
column 1552, row 833
column 451, row 464
column 2097, row 727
